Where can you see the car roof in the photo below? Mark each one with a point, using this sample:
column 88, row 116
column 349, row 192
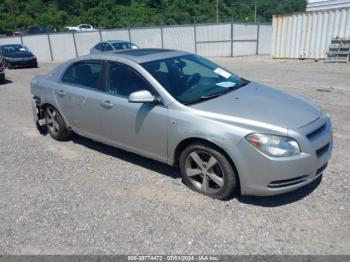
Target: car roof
column 116, row 41
column 6, row 45
column 142, row 55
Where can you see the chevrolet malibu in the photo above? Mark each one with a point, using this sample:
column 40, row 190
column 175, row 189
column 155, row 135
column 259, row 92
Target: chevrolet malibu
column 227, row 134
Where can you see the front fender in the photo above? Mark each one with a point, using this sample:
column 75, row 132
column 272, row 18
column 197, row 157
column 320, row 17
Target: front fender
column 184, row 126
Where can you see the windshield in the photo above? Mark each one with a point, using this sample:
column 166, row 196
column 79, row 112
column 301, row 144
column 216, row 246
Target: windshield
column 191, row 78
column 7, row 49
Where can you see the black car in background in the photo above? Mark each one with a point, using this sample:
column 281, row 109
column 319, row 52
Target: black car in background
column 16, row 55
column 2, row 70
column 40, row 29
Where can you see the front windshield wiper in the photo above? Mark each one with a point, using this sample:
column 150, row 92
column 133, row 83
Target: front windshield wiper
column 243, row 83
column 204, row 98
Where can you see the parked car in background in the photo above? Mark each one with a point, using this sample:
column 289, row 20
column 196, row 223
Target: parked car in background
column 111, row 46
column 226, row 133
column 17, row 33
column 16, row 55
column 52, row 29
column 36, row 29
column 79, row 28
column 2, row 69
column 40, row 29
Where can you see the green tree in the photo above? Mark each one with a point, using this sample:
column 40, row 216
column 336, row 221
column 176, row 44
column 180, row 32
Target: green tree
column 19, row 14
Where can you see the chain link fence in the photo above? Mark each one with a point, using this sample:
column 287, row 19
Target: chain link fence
column 223, row 39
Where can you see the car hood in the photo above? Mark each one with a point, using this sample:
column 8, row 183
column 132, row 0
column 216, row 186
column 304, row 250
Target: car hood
column 19, row 54
column 255, row 102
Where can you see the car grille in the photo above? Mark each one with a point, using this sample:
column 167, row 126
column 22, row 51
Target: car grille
column 317, row 132
column 316, row 136
column 21, row 59
column 321, row 151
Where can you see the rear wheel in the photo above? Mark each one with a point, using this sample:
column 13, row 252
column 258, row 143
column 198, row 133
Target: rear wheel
column 55, row 124
column 208, row 171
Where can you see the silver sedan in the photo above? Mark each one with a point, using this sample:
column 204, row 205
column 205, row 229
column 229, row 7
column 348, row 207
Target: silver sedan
column 227, row 134
column 112, row 46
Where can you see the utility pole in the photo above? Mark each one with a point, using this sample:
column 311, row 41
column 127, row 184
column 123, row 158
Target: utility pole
column 255, row 9
column 217, row 11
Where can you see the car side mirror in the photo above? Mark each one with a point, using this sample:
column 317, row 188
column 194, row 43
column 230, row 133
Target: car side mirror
column 142, row 96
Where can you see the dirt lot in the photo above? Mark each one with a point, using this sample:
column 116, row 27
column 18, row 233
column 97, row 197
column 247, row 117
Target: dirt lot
column 81, row 197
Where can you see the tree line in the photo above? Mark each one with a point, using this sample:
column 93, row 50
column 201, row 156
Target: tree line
column 19, row 14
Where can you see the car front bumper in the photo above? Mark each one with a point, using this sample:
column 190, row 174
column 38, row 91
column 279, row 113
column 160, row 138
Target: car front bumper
column 2, row 72
column 263, row 175
column 22, row 63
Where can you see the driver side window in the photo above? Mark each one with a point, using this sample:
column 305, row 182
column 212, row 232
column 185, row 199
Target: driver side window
column 123, row 80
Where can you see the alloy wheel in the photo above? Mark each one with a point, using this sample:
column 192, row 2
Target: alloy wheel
column 204, row 171
column 52, row 121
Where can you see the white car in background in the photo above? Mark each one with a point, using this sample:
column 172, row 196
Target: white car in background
column 80, row 28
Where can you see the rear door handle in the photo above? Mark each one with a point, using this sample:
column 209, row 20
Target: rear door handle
column 107, row 104
column 61, row 93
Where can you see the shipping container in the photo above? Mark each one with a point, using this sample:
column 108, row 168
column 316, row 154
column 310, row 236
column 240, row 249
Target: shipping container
column 308, row 34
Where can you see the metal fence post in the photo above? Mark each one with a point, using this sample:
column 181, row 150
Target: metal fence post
column 75, row 44
column 195, row 34
column 257, row 38
column 129, row 31
column 50, row 47
column 100, row 33
column 232, row 36
column 161, row 34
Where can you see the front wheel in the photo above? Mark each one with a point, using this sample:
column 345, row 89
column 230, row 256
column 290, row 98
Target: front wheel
column 2, row 78
column 55, row 124
column 208, row 171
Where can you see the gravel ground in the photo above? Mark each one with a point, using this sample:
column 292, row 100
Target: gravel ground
column 82, row 197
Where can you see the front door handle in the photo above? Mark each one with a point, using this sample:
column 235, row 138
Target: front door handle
column 61, row 93
column 107, row 104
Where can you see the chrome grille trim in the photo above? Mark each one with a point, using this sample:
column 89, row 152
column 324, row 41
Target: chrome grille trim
column 317, row 132
column 288, row 182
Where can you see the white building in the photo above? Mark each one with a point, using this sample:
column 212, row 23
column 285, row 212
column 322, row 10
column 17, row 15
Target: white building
column 316, row 5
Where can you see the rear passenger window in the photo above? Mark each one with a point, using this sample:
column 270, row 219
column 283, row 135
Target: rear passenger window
column 85, row 74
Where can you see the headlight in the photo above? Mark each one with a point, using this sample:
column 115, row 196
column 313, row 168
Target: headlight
column 9, row 58
column 272, row 145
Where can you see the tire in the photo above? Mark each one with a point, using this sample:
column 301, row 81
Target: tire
column 7, row 65
column 211, row 174
column 56, row 125
column 2, row 78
